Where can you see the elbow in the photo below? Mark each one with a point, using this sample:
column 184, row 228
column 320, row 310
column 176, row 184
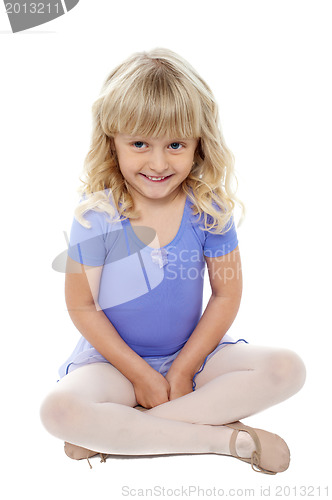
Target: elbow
column 79, row 307
column 231, row 293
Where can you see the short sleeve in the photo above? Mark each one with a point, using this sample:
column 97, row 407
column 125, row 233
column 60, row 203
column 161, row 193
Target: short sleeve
column 216, row 245
column 87, row 245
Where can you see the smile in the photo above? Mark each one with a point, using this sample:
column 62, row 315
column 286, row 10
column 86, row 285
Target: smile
column 156, row 179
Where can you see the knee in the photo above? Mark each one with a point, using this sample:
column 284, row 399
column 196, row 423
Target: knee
column 286, row 370
column 58, row 412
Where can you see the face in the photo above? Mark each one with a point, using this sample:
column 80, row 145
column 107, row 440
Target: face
column 154, row 168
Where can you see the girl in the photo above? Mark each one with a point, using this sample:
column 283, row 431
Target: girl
column 156, row 208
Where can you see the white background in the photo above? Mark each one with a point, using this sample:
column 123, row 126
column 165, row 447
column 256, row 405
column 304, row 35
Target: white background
column 269, row 65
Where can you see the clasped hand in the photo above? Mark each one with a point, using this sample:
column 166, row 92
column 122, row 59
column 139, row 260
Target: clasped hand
column 155, row 389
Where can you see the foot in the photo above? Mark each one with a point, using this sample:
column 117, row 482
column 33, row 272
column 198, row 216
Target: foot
column 270, row 455
column 244, row 445
column 77, row 452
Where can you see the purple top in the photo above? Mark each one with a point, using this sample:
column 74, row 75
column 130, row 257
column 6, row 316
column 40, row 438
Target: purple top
column 153, row 297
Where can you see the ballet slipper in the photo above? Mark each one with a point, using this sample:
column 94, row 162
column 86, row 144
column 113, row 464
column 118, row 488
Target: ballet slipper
column 140, row 408
column 79, row 453
column 271, row 454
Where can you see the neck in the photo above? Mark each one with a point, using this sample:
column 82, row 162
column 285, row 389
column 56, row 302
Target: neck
column 140, row 202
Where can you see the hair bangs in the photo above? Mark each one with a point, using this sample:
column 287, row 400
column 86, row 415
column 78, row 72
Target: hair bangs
column 157, row 106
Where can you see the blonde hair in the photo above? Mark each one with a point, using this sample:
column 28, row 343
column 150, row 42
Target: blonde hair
column 157, row 94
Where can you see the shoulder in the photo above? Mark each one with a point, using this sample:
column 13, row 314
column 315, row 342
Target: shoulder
column 94, row 230
column 97, row 211
column 214, row 243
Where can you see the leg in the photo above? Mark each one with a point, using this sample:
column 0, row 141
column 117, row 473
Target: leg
column 92, row 407
column 238, row 381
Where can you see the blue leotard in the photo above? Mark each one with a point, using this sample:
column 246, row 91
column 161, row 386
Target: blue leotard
column 152, row 298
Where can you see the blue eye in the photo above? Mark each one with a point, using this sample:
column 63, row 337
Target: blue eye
column 139, row 144
column 176, row 145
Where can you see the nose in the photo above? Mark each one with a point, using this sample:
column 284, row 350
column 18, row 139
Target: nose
column 158, row 162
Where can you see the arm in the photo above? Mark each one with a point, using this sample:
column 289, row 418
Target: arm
column 226, row 284
column 81, row 290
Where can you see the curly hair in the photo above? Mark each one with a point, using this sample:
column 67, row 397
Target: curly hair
column 156, row 94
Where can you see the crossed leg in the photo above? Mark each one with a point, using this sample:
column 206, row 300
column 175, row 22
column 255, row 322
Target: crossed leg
column 237, row 382
column 93, row 406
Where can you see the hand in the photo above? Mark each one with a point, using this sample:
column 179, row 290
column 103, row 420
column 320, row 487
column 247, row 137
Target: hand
column 152, row 389
column 180, row 384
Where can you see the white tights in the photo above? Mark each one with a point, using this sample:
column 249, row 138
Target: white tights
column 93, row 406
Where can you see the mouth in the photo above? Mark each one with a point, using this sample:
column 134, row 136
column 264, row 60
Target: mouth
column 157, row 179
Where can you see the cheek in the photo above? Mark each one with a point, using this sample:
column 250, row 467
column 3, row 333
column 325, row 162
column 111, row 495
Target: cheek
column 126, row 164
column 185, row 169
column 125, row 171
column 129, row 161
column 189, row 161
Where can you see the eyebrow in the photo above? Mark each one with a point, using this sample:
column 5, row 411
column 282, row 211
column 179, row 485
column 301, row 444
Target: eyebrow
column 142, row 137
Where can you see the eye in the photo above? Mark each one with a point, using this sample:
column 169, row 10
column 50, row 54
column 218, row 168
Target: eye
column 176, row 145
column 139, row 144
